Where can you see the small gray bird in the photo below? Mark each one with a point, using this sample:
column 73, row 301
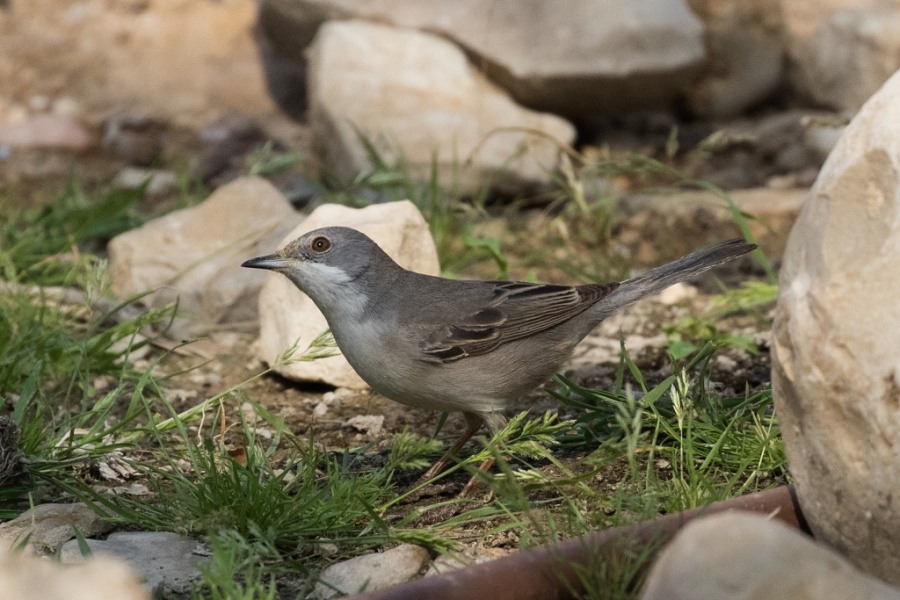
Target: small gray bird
column 464, row 346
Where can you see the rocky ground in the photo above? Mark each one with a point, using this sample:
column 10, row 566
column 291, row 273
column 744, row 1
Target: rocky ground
column 105, row 95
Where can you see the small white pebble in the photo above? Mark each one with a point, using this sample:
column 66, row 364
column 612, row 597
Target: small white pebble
column 102, row 383
column 66, row 106
column 205, row 379
column 762, row 338
column 370, row 424
column 343, row 393
column 248, row 411
column 677, row 293
column 725, row 363
column 320, row 410
column 326, row 549
column 180, row 395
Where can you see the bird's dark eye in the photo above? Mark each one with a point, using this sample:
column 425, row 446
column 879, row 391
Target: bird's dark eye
column 320, row 244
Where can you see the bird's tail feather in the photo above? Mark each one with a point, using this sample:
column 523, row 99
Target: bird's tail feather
column 658, row 279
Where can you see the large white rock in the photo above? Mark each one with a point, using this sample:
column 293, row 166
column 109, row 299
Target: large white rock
column 287, row 315
column 194, row 256
column 835, row 357
column 745, row 556
column 573, row 57
column 416, row 95
column 842, row 51
column 179, row 61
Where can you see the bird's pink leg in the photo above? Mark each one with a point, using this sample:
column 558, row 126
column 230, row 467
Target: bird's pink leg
column 474, row 423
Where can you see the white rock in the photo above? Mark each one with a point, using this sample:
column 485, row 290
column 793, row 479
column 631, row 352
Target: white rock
column 578, row 57
column 372, row 571
column 287, row 315
column 725, row 363
column 184, row 63
column 744, row 556
column 416, row 94
column 368, row 424
column 194, row 255
column 842, row 52
column 342, row 393
column 835, row 362
column 24, row 577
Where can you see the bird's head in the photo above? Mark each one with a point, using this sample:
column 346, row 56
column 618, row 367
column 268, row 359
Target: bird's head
column 328, row 263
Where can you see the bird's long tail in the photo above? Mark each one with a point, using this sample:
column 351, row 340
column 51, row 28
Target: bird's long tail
column 658, row 279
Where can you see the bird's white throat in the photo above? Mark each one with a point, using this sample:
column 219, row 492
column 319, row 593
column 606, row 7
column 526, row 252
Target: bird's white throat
column 331, row 289
column 328, row 275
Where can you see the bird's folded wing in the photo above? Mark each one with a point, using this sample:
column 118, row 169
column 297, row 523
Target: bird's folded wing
column 516, row 310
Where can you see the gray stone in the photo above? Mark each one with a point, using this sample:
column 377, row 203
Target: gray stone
column 835, row 362
column 24, row 577
column 745, row 556
column 48, row 526
column 573, row 57
column 372, row 571
column 167, row 562
column 288, row 316
column 415, row 95
column 194, row 256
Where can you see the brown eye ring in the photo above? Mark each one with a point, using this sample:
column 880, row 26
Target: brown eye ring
column 320, row 244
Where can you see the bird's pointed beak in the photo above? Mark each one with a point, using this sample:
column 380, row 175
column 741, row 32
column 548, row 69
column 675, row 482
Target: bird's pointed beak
column 272, row 261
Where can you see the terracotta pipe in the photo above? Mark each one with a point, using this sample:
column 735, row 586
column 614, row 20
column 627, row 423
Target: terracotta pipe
column 550, row 572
